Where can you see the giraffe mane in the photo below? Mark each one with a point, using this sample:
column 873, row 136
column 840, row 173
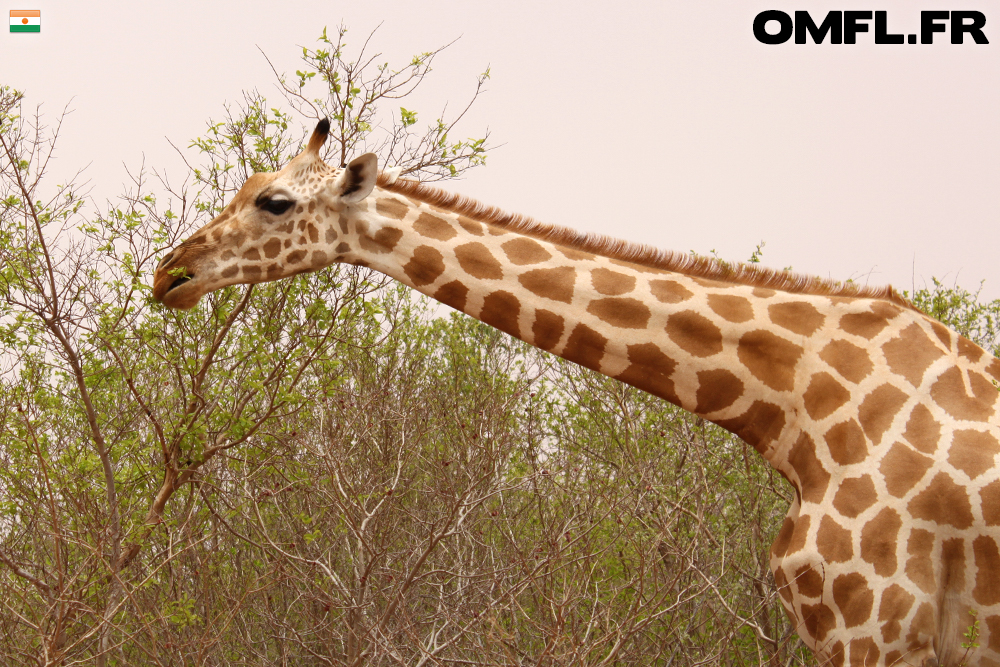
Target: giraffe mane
column 638, row 253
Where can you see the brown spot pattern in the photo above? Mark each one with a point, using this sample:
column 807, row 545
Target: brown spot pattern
column 547, row 329
column 477, row 260
column 797, row 316
column 987, row 590
column 612, row 283
column 522, row 251
column 824, row 396
column 391, row 208
column 895, row 604
column 501, row 310
column 902, row 468
column 989, row 497
column 731, row 308
column 556, row 284
column 780, row 545
column 854, row 598
column 854, row 496
column 809, row 581
column 434, row 227
column 669, row 291
column 760, row 425
column 818, row 620
column 471, row 226
column 922, row 430
column 813, row 477
column 969, row 350
column 919, row 567
column 833, row 541
column 585, row 347
column 866, row 325
column 272, row 248
column 851, row 361
column 694, row 333
column 453, row 294
column 864, row 652
column 717, row 390
column 846, row 442
column 911, row 353
column 622, row 312
column 426, row 266
column 878, row 410
column 878, row 541
column 949, row 392
column 973, row 452
column 650, row 370
column 769, row 358
column 385, row 240
column 943, row 502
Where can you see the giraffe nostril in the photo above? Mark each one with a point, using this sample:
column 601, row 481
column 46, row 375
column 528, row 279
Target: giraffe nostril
column 165, row 261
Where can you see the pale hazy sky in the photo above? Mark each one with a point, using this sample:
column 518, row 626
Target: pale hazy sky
column 664, row 122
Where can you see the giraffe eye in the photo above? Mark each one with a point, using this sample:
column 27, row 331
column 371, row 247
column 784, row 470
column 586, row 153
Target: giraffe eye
column 276, row 206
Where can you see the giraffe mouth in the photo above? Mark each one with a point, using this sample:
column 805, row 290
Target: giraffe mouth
column 180, row 281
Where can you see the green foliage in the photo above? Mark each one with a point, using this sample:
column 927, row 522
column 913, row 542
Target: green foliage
column 961, row 310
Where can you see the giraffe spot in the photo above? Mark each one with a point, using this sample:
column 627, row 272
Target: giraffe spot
column 547, row 329
column 391, row 208
column 312, row 206
column 812, row 476
column 943, row 502
column 953, row 565
column 239, row 238
column 922, row 430
column 781, row 583
column 911, row 353
column 501, row 310
column 385, row 240
column 694, row 333
column 273, row 271
column 846, row 442
column 878, row 541
column 330, row 235
column 523, row 251
column 252, row 255
column 867, row 325
column 771, row 359
column 556, row 284
column 288, row 244
column 650, row 370
column 798, row 317
column 434, row 227
column 426, row 266
column 300, row 208
column 902, row 468
column 919, row 566
column 302, row 226
column 809, row 582
column 251, row 273
column 731, row 308
column 987, row 590
column 854, row 598
column 585, row 347
column 471, row 226
column 226, row 256
column 833, row 541
column 854, row 496
column 477, row 260
column 819, row 620
column 851, row 361
column 760, row 425
column 313, row 233
column 799, row 537
column 923, row 626
column 763, row 292
column 295, row 257
column 343, row 248
column 780, row 545
column 969, row 350
column 669, row 291
column 993, row 624
column 942, row 332
column 949, row 392
column 494, row 230
column 612, row 283
column 864, row 652
column 994, row 369
column 973, row 452
column 717, row 390
column 319, row 258
column 895, row 604
column 343, row 225
column 823, row 396
column 302, row 240
column 217, row 235
column 989, row 497
column 624, row 313
column 272, row 248
column 574, row 254
column 453, row 294
column 230, row 272
column 878, row 410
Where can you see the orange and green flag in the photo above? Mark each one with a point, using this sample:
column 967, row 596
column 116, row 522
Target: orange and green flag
column 25, row 20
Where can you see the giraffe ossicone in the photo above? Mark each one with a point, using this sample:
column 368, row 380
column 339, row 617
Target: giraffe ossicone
column 883, row 420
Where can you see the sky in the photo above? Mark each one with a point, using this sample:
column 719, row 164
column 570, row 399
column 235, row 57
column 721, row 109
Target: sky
column 661, row 122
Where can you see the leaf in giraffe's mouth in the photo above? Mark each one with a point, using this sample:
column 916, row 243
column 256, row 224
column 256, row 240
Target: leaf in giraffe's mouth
column 180, row 281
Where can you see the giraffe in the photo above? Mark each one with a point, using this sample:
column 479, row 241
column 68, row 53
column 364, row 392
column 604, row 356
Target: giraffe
column 883, row 420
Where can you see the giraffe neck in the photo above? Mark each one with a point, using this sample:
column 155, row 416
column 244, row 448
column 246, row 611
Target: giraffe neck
column 729, row 353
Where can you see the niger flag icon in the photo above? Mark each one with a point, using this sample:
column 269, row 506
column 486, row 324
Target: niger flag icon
column 25, row 20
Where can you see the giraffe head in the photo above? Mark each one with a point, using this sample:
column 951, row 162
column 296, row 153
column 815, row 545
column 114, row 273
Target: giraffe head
column 278, row 225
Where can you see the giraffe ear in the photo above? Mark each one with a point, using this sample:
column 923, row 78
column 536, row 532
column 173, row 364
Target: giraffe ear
column 357, row 179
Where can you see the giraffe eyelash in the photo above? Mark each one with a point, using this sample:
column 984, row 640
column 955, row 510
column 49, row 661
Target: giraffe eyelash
column 274, row 206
